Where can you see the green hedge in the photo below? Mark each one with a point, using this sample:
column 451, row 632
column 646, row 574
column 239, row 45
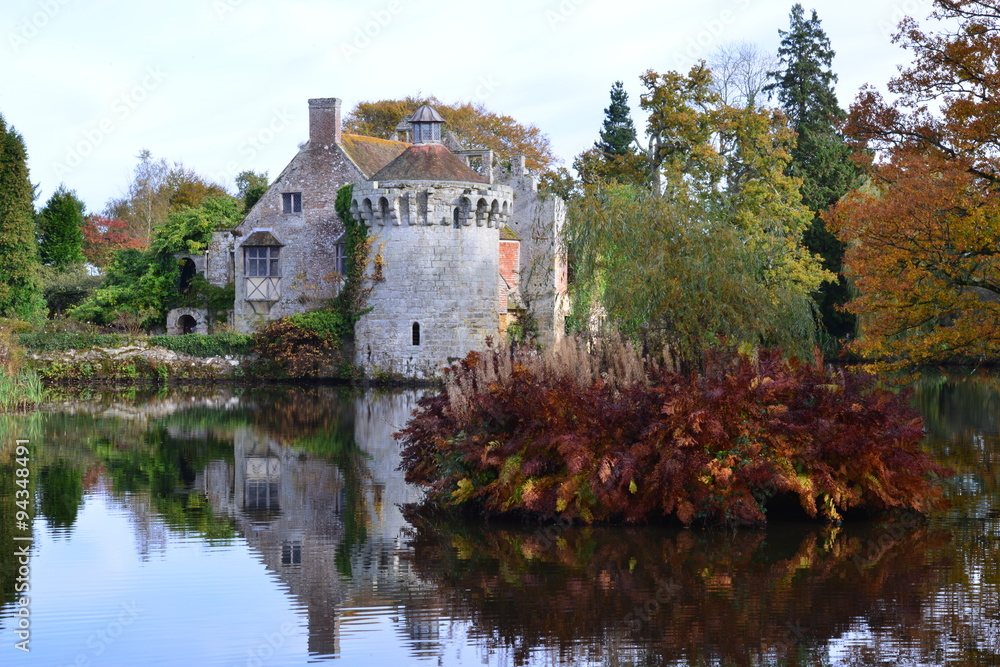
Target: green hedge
column 200, row 345
column 60, row 342
column 197, row 345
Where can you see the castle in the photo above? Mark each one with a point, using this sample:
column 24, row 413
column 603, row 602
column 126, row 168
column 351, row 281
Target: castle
column 462, row 245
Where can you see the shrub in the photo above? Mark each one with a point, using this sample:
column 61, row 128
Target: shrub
column 20, row 388
column 294, row 350
column 201, row 345
column 598, row 433
column 327, row 324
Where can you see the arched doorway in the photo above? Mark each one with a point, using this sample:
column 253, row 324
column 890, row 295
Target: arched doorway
column 187, row 324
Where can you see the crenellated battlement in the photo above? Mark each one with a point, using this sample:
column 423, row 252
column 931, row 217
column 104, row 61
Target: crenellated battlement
column 446, row 203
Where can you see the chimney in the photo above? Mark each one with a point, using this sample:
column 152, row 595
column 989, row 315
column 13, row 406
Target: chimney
column 324, row 121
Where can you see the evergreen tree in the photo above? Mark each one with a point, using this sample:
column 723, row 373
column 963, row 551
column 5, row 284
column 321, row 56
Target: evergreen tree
column 614, row 156
column 618, row 132
column 60, row 226
column 20, row 296
column 820, row 157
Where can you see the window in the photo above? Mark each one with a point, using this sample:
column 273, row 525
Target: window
column 340, row 259
column 291, row 553
column 291, row 202
column 262, row 262
column 416, row 333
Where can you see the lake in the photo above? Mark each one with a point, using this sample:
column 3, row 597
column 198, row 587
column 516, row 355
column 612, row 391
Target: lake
column 258, row 527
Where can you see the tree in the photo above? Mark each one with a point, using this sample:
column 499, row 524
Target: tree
column 158, row 189
column 669, row 272
column 618, row 131
column 615, row 155
column 19, row 288
column 740, row 73
column 250, row 186
column 715, row 246
column 475, row 126
column 144, row 284
column 60, row 229
column 679, row 131
column 103, row 236
column 924, row 235
column 820, row 157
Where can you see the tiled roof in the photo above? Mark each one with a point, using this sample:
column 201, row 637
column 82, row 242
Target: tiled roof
column 428, row 162
column 508, row 234
column 262, row 237
column 371, row 154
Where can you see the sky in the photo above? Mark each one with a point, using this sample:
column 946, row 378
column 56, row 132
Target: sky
column 222, row 85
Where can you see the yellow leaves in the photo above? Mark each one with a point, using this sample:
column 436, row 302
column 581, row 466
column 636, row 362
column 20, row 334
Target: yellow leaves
column 464, row 491
column 632, row 487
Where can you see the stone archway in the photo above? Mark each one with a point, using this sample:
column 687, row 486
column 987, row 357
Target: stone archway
column 187, row 324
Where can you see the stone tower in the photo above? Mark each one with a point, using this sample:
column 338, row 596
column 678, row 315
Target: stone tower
column 436, row 226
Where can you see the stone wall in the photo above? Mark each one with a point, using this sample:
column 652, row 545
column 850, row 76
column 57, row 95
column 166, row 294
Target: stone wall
column 438, row 276
column 539, row 221
column 308, row 256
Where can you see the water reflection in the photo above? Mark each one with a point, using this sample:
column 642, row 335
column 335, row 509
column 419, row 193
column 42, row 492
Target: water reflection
column 288, row 501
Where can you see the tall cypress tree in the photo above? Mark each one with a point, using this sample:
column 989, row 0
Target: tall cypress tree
column 821, row 158
column 20, row 295
column 60, row 226
column 618, row 132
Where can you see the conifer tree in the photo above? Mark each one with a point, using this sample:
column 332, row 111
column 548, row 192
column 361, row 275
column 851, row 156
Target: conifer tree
column 614, row 156
column 60, row 226
column 20, row 296
column 820, row 157
column 618, row 132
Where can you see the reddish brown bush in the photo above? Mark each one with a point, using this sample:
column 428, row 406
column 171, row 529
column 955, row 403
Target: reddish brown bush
column 586, row 435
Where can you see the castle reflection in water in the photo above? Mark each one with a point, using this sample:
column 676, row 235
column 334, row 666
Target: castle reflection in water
column 329, row 527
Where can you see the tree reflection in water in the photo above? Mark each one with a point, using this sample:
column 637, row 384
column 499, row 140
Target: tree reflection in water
column 923, row 593
column 658, row 596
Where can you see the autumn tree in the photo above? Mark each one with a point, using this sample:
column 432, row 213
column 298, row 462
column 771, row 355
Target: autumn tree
column 19, row 287
column 103, row 236
column 142, row 285
column 60, row 235
column 803, row 82
column 714, row 247
column 475, row 126
column 924, row 235
column 158, row 189
column 671, row 273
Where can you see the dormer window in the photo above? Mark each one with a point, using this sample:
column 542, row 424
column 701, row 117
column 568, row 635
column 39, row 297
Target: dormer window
column 291, row 202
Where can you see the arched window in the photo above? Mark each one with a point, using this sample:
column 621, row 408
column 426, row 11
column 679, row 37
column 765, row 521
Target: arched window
column 416, row 333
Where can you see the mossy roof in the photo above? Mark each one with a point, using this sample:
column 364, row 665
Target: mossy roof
column 371, row 154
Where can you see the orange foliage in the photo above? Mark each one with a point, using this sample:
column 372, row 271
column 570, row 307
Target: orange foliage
column 924, row 235
column 475, row 126
column 712, row 448
column 103, row 236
